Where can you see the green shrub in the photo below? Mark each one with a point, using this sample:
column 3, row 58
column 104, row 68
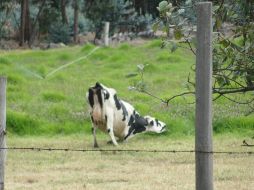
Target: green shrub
column 239, row 124
column 87, row 47
column 58, row 32
column 124, row 46
column 64, row 57
column 53, row 96
column 4, row 61
column 21, row 123
column 14, row 79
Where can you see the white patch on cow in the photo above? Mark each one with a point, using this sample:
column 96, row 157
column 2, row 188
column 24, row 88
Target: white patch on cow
column 154, row 125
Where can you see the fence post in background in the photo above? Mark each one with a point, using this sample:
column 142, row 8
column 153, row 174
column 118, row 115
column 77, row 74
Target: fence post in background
column 203, row 136
column 106, row 34
column 3, row 82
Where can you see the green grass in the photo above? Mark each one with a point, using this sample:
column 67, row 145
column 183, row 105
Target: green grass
column 40, row 170
column 56, row 105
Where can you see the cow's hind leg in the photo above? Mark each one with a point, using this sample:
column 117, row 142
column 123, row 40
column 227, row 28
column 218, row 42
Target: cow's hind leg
column 111, row 134
column 95, row 144
column 110, row 128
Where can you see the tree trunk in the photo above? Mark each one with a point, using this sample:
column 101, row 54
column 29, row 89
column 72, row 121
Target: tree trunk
column 76, row 12
column 33, row 27
column 63, row 12
column 24, row 22
column 27, row 22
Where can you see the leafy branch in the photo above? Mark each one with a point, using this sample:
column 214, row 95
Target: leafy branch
column 233, row 55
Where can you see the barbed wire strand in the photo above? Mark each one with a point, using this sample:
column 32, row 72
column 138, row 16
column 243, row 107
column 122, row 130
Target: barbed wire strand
column 125, row 150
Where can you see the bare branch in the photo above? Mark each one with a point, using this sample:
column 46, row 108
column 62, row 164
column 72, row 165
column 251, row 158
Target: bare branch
column 232, row 100
column 175, row 96
column 243, row 90
column 191, row 48
column 148, row 93
column 246, row 144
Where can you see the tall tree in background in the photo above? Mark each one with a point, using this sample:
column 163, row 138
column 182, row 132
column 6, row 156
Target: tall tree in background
column 112, row 11
column 63, row 12
column 28, row 25
column 24, row 22
column 76, row 4
column 6, row 9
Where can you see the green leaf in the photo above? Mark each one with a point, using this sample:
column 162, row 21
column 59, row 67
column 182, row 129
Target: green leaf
column 225, row 43
column 178, row 34
column 174, row 47
column 141, row 67
column 218, row 23
column 156, row 26
column 163, row 5
column 131, row 75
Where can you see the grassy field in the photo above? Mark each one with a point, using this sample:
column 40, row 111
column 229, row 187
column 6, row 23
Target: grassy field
column 52, row 112
column 33, row 170
column 56, row 104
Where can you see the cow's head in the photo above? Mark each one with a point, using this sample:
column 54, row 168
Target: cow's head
column 98, row 93
column 154, row 125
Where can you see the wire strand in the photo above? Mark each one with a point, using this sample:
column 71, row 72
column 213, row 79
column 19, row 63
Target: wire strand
column 126, row 150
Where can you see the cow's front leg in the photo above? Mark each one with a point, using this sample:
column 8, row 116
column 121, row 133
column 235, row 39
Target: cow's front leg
column 110, row 120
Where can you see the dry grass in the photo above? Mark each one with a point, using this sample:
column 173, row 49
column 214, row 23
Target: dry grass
column 75, row 170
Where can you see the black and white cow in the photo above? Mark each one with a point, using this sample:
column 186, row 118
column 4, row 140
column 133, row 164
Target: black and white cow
column 117, row 117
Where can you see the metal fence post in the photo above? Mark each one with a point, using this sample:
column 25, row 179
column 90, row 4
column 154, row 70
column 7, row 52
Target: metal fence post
column 3, row 82
column 203, row 139
column 106, row 34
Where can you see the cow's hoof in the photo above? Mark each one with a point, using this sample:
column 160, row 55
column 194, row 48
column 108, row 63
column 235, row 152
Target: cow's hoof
column 111, row 142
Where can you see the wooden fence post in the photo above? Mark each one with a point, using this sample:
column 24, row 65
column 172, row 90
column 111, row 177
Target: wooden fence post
column 203, row 139
column 106, row 34
column 3, row 82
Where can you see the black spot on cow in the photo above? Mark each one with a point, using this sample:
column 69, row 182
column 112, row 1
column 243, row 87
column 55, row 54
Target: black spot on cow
column 108, row 130
column 157, row 122
column 106, row 118
column 137, row 124
column 140, row 123
column 90, row 97
column 117, row 102
column 131, row 120
column 106, row 95
column 125, row 113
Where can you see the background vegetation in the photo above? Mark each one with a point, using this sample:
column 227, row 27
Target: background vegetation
column 56, row 104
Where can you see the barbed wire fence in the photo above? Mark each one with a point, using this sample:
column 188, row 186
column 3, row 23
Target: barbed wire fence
column 38, row 149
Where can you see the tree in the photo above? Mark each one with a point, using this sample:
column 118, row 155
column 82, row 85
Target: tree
column 76, row 7
column 24, row 22
column 63, row 11
column 6, row 8
column 27, row 24
column 233, row 55
column 113, row 11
